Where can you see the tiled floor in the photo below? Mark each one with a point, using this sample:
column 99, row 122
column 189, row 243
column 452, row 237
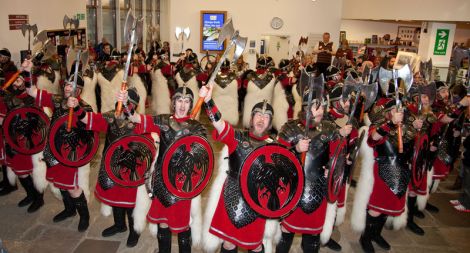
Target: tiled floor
column 446, row 231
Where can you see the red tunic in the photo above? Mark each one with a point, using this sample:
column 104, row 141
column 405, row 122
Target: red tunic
column 20, row 164
column 117, row 196
column 249, row 236
column 60, row 175
column 177, row 216
column 382, row 199
column 3, row 112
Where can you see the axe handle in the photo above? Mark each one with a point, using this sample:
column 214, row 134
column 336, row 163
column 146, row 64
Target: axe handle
column 304, row 154
column 11, row 80
column 69, row 121
column 361, row 116
column 197, row 107
column 400, row 139
column 119, row 105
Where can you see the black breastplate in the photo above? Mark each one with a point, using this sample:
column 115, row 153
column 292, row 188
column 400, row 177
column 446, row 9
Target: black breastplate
column 239, row 212
column 262, row 81
column 116, row 129
column 170, row 131
column 186, row 75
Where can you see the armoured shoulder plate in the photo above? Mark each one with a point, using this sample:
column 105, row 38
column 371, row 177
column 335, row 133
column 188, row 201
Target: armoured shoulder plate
column 262, row 80
column 14, row 101
column 291, row 132
column 186, row 74
column 116, row 127
column 223, row 80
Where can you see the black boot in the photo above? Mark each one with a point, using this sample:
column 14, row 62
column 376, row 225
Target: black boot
column 410, row 224
column 366, row 237
column 119, row 216
column 285, row 243
column 69, row 205
column 333, row 245
column 184, row 241
column 379, row 223
column 419, row 214
column 261, row 251
column 133, row 237
column 82, row 209
column 5, row 186
column 164, row 240
column 432, row 208
column 27, row 183
column 310, row 243
column 33, row 195
column 223, row 250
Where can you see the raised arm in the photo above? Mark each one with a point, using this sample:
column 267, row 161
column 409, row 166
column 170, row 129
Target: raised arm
column 211, row 108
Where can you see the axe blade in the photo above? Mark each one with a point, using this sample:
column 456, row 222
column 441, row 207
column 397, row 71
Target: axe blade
column 405, row 74
column 385, row 76
column 75, row 23
column 186, row 32
column 128, row 26
column 84, row 57
column 139, row 29
column 178, row 31
column 366, row 74
column 66, row 21
column 370, row 92
column 34, row 28
column 240, row 45
column 40, row 37
column 71, row 56
column 50, row 50
column 425, row 68
column 226, row 32
column 24, row 28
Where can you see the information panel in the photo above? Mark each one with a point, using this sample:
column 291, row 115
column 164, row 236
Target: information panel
column 211, row 24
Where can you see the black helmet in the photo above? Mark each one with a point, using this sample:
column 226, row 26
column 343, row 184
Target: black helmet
column 5, row 52
column 263, row 107
column 225, row 64
column 262, row 63
column 284, row 64
column 192, row 58
column 332, row 73
column 133, row 96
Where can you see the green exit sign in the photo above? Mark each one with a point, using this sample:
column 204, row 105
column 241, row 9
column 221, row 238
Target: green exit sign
column 81, row 16
column 442, row 39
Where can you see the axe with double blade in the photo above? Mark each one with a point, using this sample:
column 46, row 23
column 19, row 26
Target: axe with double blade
column 384, row 78
column 182, row 33
column 313, row 84
column 70, row 23
column 29, row 28
column 132, row 33
column 227, row 32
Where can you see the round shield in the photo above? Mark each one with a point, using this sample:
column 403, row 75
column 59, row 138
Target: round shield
column 272, row 180
column 418, row 165
column 73, row 148
column 25, row 129
column 336, row 172
column 128, row 158
column 187, row 166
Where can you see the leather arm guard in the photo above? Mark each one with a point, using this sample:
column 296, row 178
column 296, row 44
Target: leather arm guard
column 212, row 111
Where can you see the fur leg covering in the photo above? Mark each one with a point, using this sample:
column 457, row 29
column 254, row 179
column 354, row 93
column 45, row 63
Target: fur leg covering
column 84, row 180
column 298, row 102
column 88, row 92
column 281, row 105
column 161, row 100
column 44, row 83
column 55, row 191
column 328, row 223
column 270, row 230
column 196, row 221
column 39, row 172
column 11, row 176
column 364, row 185
column 142, row 206
column 211, row 242
column 398, row 222
column 136, row 82
column 153, row 229
column 106, row 210
column 434, row 185
column 423, row 199
column 341, row 211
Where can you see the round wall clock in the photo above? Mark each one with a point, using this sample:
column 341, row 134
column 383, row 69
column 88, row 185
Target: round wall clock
column 276, row 23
